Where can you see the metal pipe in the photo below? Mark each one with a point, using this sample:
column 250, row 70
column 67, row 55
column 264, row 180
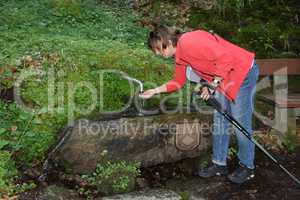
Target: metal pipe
column 137, row 81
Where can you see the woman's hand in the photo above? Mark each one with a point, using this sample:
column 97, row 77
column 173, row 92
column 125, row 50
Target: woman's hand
column 148, row 94
column 205, row 94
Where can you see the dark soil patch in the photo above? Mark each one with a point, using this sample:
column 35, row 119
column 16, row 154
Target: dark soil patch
column 270, row 181
column 30, row 195
column 7, row 94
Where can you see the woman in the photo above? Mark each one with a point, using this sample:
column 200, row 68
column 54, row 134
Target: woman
column 233, row 73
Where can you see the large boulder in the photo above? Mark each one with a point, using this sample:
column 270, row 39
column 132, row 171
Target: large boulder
column 150, row 140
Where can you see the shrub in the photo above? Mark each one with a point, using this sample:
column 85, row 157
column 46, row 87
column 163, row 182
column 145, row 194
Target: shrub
column 111, row 178
column 8, row 173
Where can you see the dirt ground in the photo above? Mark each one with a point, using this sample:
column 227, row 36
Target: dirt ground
column 270, row 181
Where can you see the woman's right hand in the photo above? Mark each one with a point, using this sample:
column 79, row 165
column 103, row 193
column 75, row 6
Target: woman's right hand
column 148, row 94
column 205, row 94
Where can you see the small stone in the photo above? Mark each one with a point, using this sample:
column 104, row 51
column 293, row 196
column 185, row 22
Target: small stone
column 32, row 173
column 141, row 182
column 28, row 58
column 18, row 62
column 104, row 152
column 251, row 191
column 13, row 128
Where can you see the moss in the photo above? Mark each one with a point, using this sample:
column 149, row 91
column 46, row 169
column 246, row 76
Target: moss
column 185, row 195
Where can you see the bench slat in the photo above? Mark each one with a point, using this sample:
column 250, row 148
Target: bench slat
column 269, row 66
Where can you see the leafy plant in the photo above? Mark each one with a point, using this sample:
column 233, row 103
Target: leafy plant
column 8, row 176
column 118, row 177
column 8, row 173
column 290, row 141
column 19, row 188
column 237, row 5
column 232, row 152
column 185, row 195
column 21, row 135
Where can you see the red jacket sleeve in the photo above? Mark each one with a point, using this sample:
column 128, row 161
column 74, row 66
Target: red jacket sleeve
column 178, row 79
column 179, row 76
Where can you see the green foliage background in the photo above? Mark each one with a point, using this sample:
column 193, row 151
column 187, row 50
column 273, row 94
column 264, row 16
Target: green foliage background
column 84, row 37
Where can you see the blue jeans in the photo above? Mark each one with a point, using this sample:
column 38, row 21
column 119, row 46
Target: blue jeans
column 241, row 109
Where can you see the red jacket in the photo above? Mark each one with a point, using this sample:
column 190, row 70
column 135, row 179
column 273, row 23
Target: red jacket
column 210, row 55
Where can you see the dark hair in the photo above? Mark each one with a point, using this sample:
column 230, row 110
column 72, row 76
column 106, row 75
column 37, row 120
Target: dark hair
column 163, row 34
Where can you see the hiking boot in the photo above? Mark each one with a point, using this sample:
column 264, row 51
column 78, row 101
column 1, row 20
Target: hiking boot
column 213, row 170
column 241, row 174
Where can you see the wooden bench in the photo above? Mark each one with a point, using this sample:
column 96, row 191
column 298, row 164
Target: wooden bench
column 287, row 104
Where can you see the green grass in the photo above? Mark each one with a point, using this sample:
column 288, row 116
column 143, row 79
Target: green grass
column 76, row 40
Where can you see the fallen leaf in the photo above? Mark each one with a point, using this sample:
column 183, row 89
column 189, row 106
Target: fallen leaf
column 1, row 70
column 251, row 191
column 13, row 128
